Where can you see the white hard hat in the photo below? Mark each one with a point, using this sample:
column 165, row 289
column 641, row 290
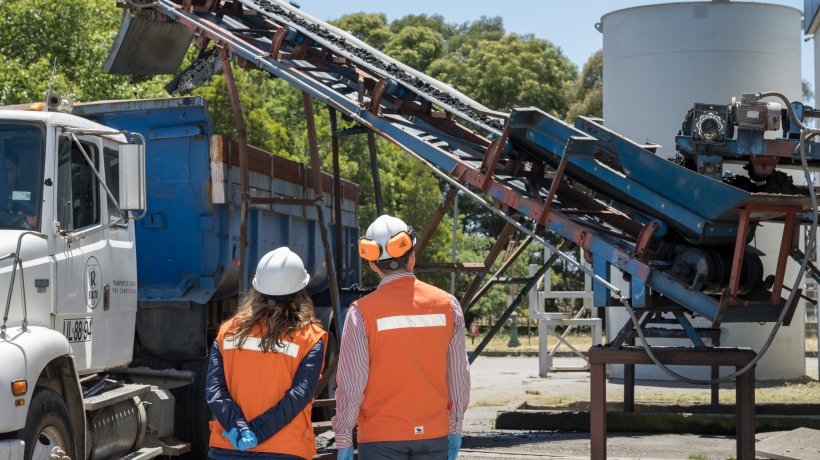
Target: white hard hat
column 280, row 272
column 389, row 233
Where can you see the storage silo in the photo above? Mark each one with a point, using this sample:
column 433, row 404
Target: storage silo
column 659, row 60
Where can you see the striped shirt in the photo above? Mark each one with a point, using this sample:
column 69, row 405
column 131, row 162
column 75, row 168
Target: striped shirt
column 354, row 364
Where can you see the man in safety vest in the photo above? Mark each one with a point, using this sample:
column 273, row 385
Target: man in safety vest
column 403, row 374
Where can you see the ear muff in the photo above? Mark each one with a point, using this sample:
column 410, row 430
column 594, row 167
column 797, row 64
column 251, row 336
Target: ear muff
column 399, row 244
column 369, row 249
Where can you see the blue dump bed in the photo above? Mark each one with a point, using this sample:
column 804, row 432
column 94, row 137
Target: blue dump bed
column 188, row 243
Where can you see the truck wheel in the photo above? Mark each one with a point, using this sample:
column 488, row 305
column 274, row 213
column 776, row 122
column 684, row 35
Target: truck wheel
column 48, row 433
column 192, row 415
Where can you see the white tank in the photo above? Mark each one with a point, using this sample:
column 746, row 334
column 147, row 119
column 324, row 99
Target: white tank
column 661, row 59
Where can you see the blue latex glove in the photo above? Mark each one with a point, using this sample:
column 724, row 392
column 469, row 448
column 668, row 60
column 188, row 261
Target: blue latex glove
column 232, row 436
column 345, row 453
column 247, row 440
column 454, row 444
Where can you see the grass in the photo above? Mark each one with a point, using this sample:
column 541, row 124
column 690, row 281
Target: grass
column 801, row 390
column 528, row 343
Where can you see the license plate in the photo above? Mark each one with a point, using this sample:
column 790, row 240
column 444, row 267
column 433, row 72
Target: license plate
column 77, row 330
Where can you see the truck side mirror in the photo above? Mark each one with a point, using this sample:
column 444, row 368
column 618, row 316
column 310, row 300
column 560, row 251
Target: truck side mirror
column 132, row 177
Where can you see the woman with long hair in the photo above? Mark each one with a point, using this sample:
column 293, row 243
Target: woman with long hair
column 264, row 367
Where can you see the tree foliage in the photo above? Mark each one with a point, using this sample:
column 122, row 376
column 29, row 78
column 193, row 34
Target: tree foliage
column 587, row 97
column 62, row 45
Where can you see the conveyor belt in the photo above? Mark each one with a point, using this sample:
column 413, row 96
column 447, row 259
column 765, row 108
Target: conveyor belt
column 345, row 44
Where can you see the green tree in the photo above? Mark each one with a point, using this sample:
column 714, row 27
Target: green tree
column 469, row 34
column 416, row 46
column 587, row 97
column 434, row 22
column 518, row 71
column 368, row 27
column 62, row 46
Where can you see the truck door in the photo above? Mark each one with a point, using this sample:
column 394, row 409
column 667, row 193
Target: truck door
column 83, row 259
column 122, row 273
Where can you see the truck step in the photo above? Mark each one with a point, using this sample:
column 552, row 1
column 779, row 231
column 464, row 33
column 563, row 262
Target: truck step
column 144, row 454
column 114, row 396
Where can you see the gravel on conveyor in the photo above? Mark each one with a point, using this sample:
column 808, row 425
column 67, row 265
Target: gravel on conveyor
column 388, row 68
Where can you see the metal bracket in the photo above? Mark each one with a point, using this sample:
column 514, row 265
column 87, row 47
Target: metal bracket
column 491, row 158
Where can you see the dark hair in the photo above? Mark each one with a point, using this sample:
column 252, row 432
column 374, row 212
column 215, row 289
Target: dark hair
column 276, row 317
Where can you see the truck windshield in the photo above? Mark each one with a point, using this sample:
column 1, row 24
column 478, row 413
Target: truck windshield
column 21, row 173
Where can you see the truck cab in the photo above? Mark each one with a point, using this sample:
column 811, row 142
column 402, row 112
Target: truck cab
column 67, row 244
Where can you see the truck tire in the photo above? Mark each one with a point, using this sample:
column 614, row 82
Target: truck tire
column 191, row 414
column 48, row 428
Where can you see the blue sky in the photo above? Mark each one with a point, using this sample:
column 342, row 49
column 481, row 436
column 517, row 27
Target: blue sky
column 569, row 24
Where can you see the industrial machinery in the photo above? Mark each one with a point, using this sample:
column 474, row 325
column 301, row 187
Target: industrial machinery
column 679, row 232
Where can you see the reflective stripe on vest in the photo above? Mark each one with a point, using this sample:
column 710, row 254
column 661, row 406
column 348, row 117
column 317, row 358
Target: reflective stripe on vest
column 409, row 326
column 405, row 321
column 257, row 380
column 255, row 344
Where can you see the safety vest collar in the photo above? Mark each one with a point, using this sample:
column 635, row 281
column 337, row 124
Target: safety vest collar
column 396, row 277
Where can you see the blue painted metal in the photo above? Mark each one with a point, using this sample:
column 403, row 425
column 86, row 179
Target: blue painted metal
column 680, row 197
column 638, row 292
column 810, row 9
column 600, row 294
column 187, row 244
column 690, row 330
column 794, row 130
column 747, row 145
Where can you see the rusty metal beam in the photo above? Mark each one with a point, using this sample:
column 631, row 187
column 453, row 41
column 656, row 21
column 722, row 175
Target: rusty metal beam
column 241, row 128
column 491, row 158
column 783, row 256
column 283, row 200
column 374, row 171
column 337, row 194
column 432, row 224
column 313, row 145
column 499, row 246
column 556, row 181
column 497, row 275
column 600, row 356
column 597, row 410
column 459, row 267
column 740, row 250
column 316, row 166
column 524, row 292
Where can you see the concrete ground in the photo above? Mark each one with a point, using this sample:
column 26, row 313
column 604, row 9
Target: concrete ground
column 499, row 381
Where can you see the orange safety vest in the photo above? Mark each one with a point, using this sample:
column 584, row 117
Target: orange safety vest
column 409, row 325
column 258, row 380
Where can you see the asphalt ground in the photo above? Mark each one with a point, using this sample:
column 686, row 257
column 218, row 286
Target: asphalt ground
column 498, row 382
